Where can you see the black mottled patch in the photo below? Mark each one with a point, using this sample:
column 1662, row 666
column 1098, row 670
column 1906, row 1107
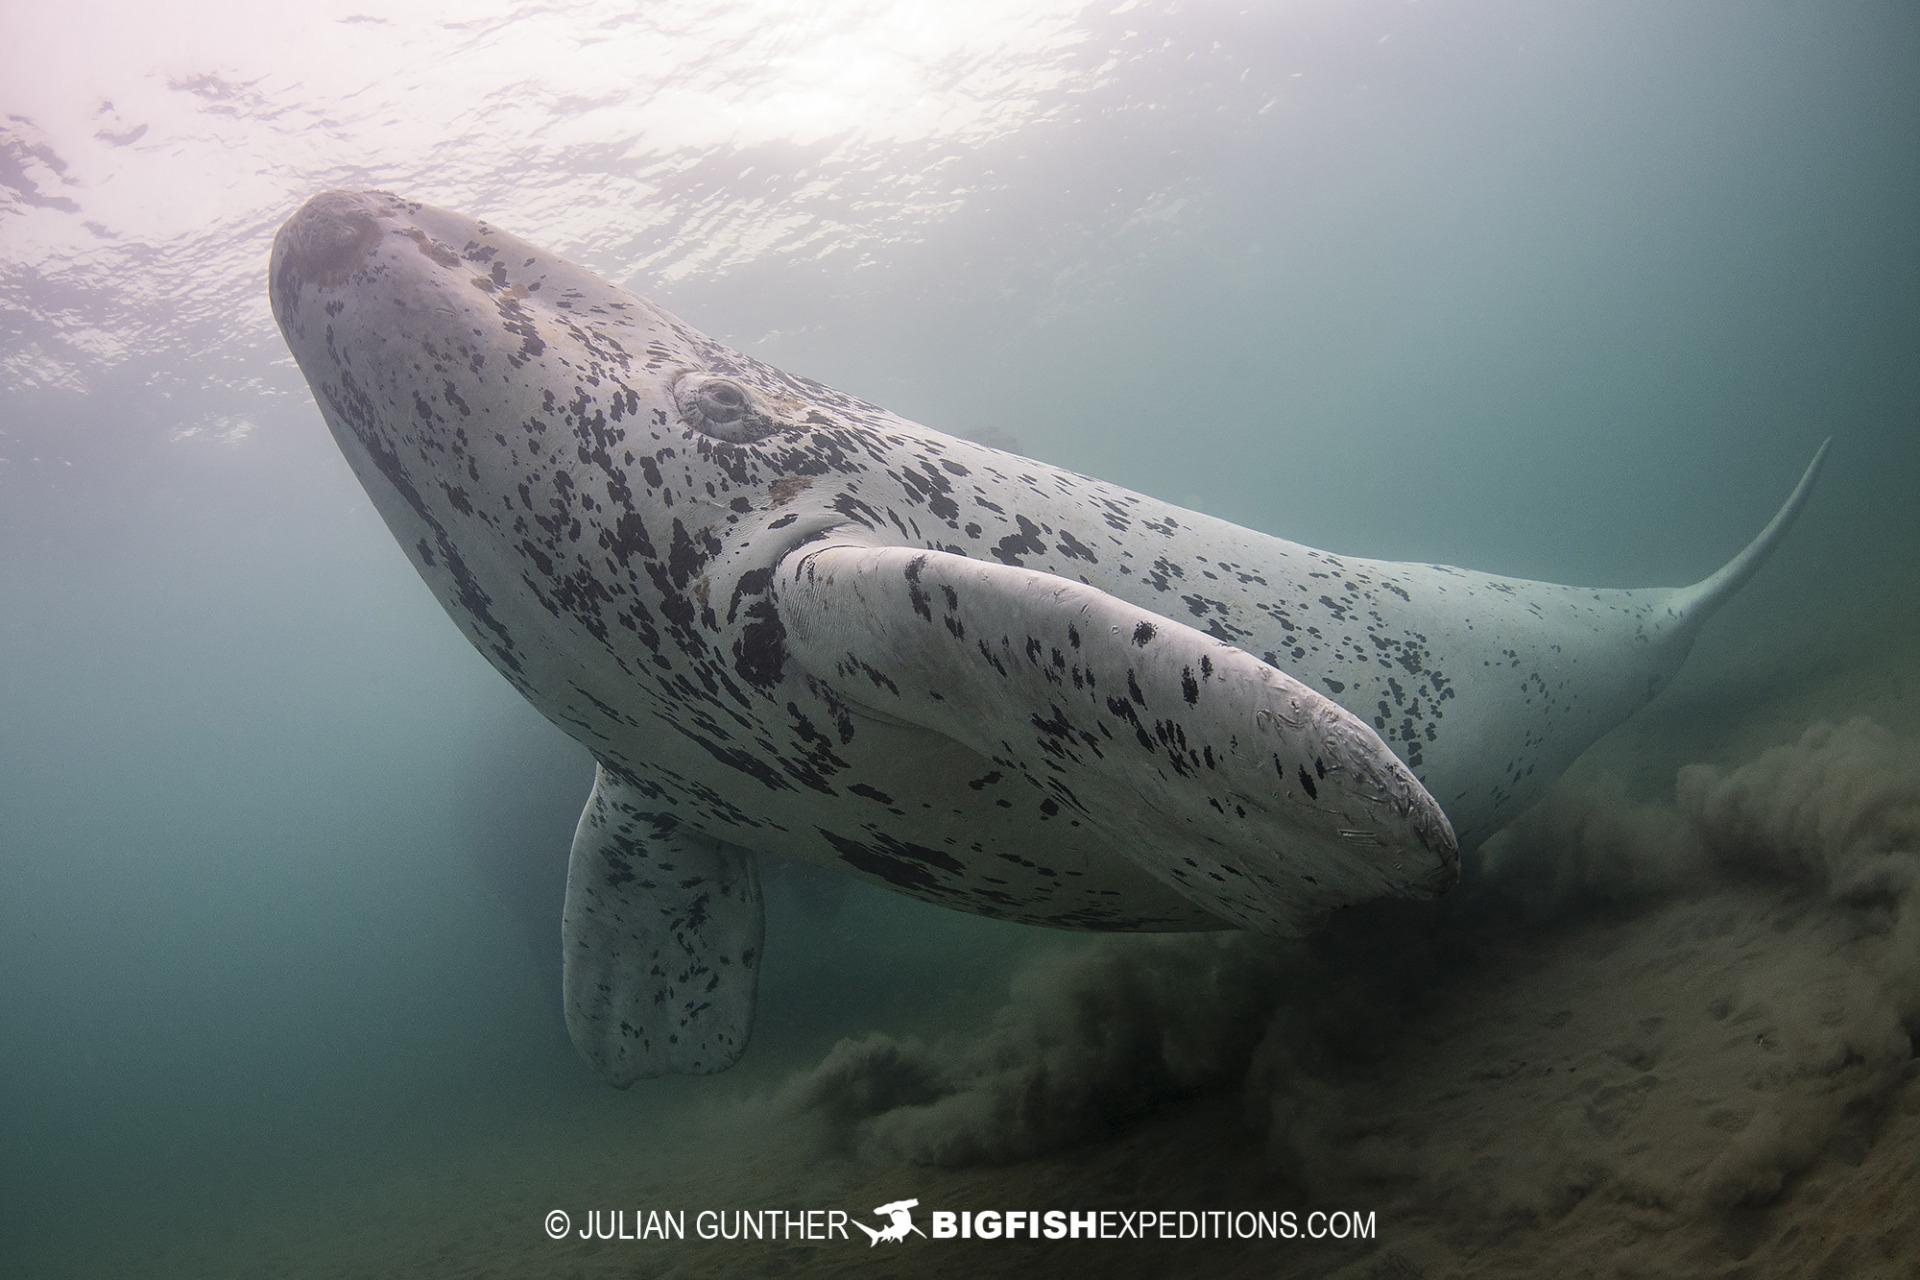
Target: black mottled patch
column 1124, row 710
column 754, row 582
column 899, row 862
column 1026, row 542
column 916, row 594
column 760, row 654
column 689, row 552
column 1073, row 549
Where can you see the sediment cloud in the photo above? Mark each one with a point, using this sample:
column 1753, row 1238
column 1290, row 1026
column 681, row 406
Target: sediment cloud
column 1677, row 1004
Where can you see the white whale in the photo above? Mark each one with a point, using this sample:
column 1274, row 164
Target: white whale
column 784, row 619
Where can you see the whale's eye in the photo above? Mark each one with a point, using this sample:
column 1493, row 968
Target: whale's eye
column 723, row 408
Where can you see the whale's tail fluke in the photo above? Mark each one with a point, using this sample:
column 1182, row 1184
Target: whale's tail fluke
column 1703, row 598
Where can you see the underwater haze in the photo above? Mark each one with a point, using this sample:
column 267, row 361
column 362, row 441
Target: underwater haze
column 1566, row 292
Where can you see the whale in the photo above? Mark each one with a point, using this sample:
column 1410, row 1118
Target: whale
column 788, row 622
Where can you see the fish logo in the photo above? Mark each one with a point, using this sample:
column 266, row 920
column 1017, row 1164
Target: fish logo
column 900, row 1215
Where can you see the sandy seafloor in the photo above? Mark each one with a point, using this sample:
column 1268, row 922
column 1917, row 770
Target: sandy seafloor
column 1662, row 1029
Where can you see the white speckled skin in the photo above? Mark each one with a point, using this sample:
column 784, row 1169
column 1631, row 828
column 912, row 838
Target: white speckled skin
column 784, row 619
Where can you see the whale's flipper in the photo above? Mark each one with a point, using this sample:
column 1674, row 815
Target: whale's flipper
column 1253, row 796
column 662, row 936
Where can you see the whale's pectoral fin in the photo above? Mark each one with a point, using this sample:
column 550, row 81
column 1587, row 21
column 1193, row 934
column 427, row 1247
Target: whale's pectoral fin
column 662, row 935
column 1249, row 793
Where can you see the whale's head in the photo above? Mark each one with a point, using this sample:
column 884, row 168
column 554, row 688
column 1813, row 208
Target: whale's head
column 589, row 485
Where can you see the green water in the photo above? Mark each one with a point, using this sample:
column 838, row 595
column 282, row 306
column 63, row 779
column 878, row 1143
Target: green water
column 1565, row 292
